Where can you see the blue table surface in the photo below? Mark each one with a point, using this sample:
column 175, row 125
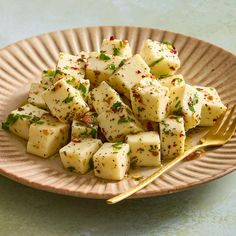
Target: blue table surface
column 209, row 209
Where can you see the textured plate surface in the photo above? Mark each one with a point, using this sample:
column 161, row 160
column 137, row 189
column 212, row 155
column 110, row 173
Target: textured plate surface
column 22, row 63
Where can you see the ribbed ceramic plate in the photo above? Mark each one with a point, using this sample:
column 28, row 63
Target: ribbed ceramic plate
column 22, row 63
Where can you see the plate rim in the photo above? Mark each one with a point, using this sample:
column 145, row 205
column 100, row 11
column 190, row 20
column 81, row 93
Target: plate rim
column 150, row 193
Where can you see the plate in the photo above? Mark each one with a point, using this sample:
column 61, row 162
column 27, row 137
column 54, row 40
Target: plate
column 22, row 63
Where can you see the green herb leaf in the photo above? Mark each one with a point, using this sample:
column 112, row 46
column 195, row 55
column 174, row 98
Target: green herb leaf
column 117, row 145
column 116, row 51
column 125, row 120
column 178, row 111
column 68, row 99
column 36, row 120
column 192, row 102
column 66, row 67
column 12, row 118
column 83, row 89
column 93, row 132
column 71, row 80
column 122, row 62
column 104, row 57
column 156, row 62
column 116, row 106
column 111, row 67
column 167, row 43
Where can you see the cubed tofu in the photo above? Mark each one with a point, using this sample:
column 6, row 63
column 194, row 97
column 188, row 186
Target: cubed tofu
column 70, row 65
column 35, row 96
column 77, row 156
column 162, row 58
column 19, row 120
column 116, row 47
column 172, row 134
column 144, row 149
column 149, row 100
column 86, row 127
column 111, row 161
column 172, row 81
column 133, row 70
column 65, row 102
column 103, row 97
column 118, row 122
column 47, row 137
column 212, row 107
column 48, row 78
column 186, row 101
column 82, row 85
column 101, row 66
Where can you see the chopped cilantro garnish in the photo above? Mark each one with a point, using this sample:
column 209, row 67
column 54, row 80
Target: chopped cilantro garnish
column 71, row 80
column 12, row 118
column 49, row 73
column 117, row 145
column 111, row 67
column 90, row 132
column 66, row 67
column 104, row 57
column 116, row 106
column 68, row 99
column 167, row 42
column 116, row 51
column 93, row 132
column 156, row 62
column 192, row 102
column 125, row 120
column 36, row 120
column 178, row 111
column 179, row 80
column 83, row 89
column 122, row 62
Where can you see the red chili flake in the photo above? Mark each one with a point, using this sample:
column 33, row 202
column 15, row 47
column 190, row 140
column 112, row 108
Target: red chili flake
column 174, row 145
column 137, row 95
column 45, row 132
column 143, row 76
column 97, row 73
column 210, row 97
column 73, row 68
column 149, row 126
column 20, row 109
column 181, row 135
column 138, row 71
column 172, row 68
column 87, row 120
column 112, row 38
column 169, row 146
column 195, row 155
column 174, row 51
column 155, row 153
column 76, row 140
column 85, row 66
column 214, row 120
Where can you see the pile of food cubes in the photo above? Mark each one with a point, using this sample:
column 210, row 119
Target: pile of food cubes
column 110, row 109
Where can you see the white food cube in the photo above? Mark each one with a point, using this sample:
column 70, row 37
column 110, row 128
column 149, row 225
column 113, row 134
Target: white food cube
column 70, row 65
column 77, row 156
column 82, row 85
column 116, row 47
column 133, row 70
column 162, row 58
column 86, row 127
column 212, row 107
column 117, row 122
column 101, row 66
column 35, row 96
column 149, row 101
column 65, row 102
column 47, row 137
column 172, row 81
column 111, row 161
column 48, row 78
column 172, row 134
column 103, row 97
column 19, row 120
column 144, row 148
column 186, row 101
